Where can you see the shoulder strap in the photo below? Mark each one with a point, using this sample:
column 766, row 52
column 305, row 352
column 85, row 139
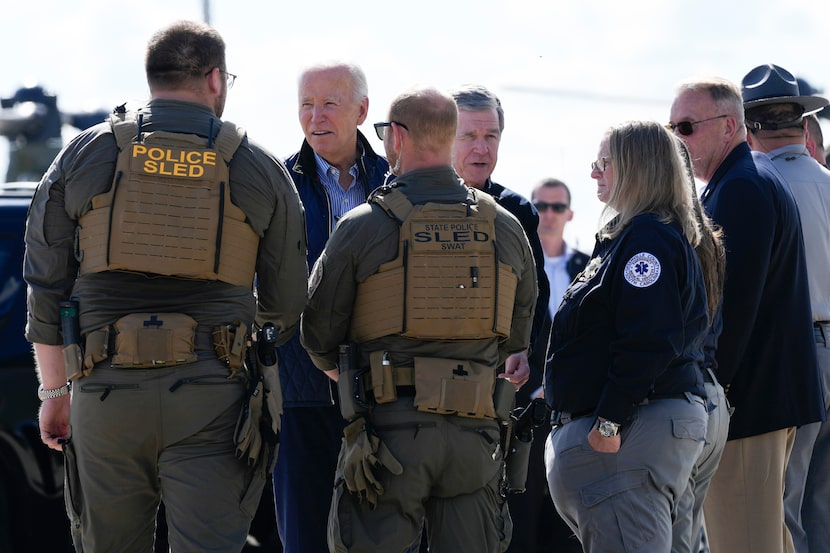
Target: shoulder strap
column 398, row 206
column 228, row 140
column 124, row 127
column 393, row 202
column 485, row 202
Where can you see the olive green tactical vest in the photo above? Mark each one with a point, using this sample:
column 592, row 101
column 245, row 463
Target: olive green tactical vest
column 169, row 209
column 447, row 282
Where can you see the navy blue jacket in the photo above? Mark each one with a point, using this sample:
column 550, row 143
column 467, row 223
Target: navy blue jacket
column 631, row 325
column 528, row 217
column 766, row 352
column 303, row 384
column 538, row 357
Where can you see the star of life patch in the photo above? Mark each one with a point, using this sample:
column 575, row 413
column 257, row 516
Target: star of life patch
column 642, row 270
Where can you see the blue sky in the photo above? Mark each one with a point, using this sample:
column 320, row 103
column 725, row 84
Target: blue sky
column 564, row 71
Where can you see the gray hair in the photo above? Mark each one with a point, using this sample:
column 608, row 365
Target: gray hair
column 473, row 97
column 360, row 86
column 724, row 94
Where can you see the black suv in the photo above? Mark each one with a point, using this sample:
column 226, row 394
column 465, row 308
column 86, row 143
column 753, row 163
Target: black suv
column 18, row 381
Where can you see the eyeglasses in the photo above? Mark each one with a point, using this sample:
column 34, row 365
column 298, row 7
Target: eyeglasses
column 230, row 77
column 380, row 128
column 686, row 128
column 557, row 207
column 600, row 164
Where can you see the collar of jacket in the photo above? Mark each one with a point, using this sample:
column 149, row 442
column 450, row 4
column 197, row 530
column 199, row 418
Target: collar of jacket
column 306, row 157
column 492, row 188
column 738, row 152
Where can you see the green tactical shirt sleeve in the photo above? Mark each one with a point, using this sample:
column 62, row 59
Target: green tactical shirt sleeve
column 282, row 272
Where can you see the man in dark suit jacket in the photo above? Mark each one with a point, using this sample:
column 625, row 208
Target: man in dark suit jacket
column 474, row 157
column 534, row 511
column 475, row 153
column 766, row 354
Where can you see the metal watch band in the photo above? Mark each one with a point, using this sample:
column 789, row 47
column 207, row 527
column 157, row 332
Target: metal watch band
column 44, row 394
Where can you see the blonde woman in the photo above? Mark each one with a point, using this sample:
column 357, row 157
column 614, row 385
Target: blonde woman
column 624, row 373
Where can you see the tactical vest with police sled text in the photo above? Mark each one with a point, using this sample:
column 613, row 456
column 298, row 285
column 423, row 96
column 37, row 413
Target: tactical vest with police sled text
column 169, row 209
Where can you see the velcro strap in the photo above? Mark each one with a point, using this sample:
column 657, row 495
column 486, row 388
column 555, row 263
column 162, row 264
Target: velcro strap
column 404, row 376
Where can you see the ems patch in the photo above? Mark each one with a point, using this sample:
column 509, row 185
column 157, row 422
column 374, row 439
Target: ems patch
column 642, row 270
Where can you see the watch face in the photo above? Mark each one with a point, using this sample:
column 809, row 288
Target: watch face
column 608, row 429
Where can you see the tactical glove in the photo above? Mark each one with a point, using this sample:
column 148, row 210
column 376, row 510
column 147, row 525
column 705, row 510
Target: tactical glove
column 362, row 453
column 247, row 436
column 273, row 396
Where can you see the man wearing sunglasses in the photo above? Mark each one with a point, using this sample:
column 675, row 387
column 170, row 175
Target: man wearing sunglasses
column 552, row 200
column 766, row 355
column 777, row 116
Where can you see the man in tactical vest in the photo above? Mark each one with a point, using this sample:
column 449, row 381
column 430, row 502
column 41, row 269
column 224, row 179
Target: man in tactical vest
column 142, row 244
column 418, row 297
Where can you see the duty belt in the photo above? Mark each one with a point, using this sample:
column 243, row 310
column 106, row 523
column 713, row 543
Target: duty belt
column 821, row 329
column 404, row 380
column 561, row 418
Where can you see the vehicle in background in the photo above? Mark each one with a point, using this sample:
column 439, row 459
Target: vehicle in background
column 17, row 375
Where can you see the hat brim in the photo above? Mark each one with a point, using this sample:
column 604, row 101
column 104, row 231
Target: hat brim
column 811, row 104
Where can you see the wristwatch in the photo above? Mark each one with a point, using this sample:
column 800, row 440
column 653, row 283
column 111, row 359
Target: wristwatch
column 44, row 394
column 607, row 429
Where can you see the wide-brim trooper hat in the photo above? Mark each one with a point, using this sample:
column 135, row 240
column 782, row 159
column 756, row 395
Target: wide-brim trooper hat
column 771, row 84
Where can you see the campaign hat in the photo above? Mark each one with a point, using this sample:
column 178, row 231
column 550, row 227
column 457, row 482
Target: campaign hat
column 771, row 84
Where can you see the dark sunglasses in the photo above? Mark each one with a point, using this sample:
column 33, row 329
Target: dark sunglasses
column 686, row 128
column 544, row 206
column 380, row 128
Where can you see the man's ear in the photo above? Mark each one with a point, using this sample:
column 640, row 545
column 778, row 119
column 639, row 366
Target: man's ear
column 397, row 137
column 363, row 111
column 214, row 80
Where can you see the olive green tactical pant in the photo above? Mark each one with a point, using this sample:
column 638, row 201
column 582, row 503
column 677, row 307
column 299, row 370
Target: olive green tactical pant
column 452, row 469
column 142, row 435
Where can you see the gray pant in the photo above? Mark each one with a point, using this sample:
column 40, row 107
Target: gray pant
column 686, row 531
column 138, row 436
column 452, row 470
column 807, row 480
column 624, row 501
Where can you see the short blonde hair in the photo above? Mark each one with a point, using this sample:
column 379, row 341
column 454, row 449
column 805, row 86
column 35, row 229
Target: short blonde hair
column 430, row 116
